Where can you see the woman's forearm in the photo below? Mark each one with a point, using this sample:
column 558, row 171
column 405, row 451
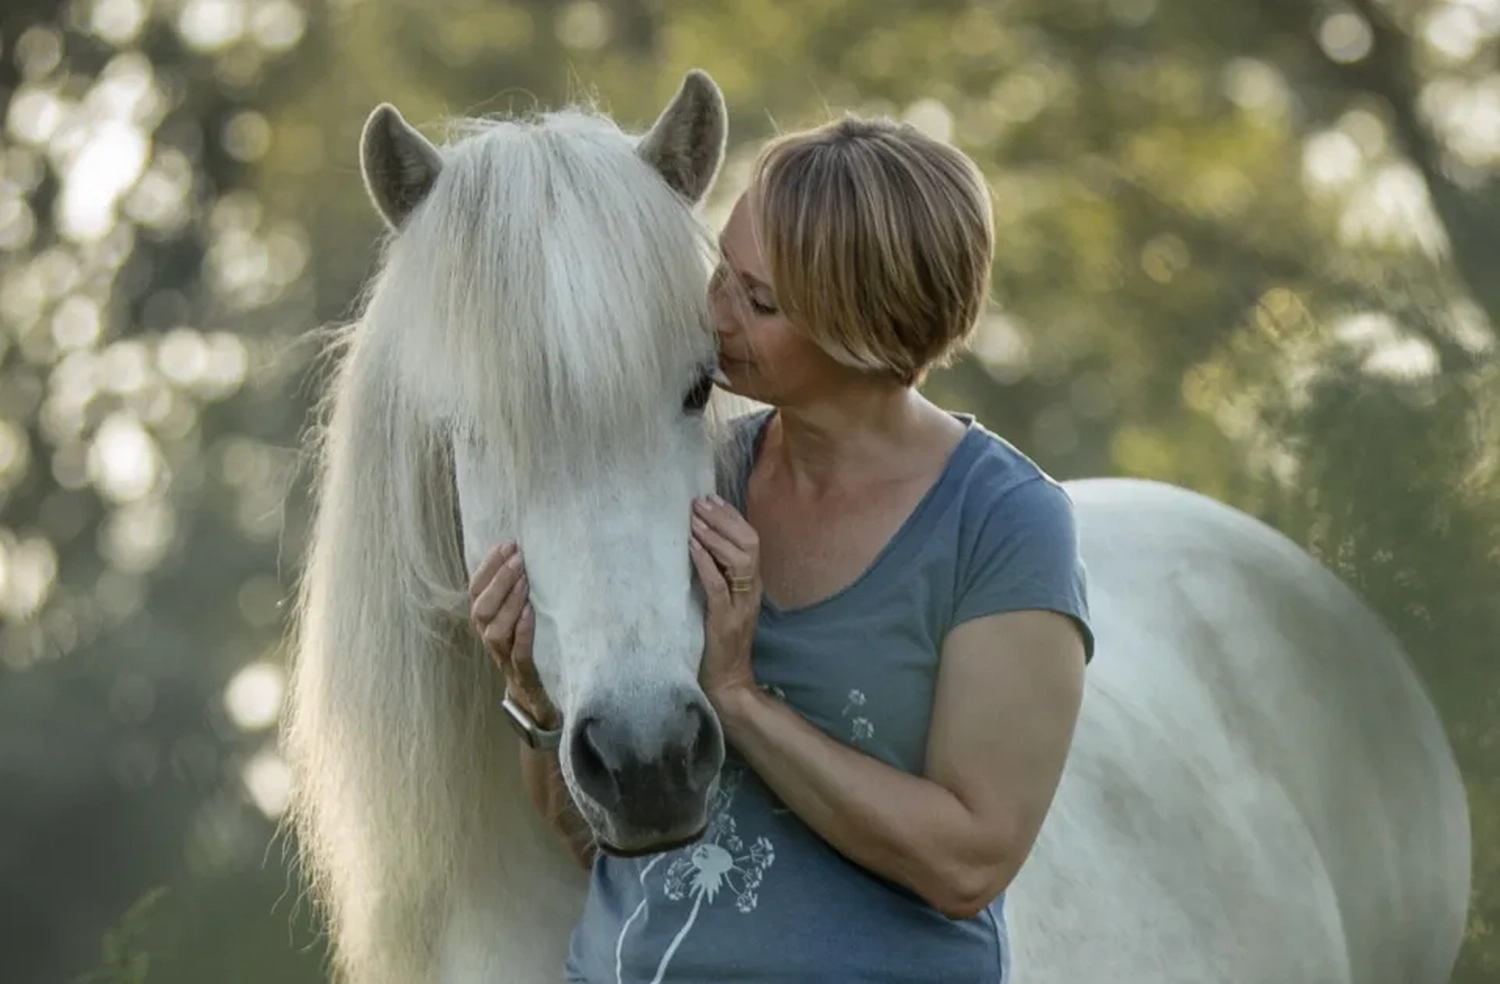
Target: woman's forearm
column 900, row 826
column 542, row 774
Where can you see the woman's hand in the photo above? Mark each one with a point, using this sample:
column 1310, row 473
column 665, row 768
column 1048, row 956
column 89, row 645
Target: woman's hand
column 726, row 554
column 504, row 620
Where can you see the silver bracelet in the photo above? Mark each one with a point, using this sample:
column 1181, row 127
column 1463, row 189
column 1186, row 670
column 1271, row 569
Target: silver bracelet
column 533, row 734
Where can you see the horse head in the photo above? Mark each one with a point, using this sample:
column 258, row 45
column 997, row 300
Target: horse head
column 544, row 307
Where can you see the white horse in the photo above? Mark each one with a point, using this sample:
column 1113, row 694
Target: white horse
column 1259, row 790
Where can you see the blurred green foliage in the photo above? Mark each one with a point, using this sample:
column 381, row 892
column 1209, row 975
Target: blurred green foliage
column 125, row 959
column 1248, row 248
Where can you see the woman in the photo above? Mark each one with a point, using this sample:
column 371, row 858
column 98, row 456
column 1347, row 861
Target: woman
column 897, row 623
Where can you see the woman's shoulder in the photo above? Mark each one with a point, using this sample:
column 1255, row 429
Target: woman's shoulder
column 994, row 474
column 1016, row 538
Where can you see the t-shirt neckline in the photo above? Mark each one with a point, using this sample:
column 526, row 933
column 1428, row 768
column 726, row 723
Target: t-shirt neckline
column 910, row 529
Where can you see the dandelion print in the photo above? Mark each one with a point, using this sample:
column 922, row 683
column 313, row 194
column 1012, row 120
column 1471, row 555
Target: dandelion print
column 719, row 865
column 860, row 727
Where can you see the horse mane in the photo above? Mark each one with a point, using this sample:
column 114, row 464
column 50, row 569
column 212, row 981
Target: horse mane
column 538, row 300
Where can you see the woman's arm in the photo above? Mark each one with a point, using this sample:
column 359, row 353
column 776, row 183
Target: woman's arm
column 1008, row 697
column 1008, row 694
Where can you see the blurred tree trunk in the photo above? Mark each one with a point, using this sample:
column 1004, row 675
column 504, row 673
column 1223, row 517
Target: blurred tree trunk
column 1469, row 213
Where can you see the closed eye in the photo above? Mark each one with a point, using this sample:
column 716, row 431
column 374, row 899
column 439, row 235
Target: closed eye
column 697, row 398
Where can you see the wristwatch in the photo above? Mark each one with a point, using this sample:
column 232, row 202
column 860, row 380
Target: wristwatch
column 534, row 735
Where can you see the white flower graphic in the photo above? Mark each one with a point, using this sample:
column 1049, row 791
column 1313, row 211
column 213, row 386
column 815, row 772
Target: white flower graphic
column 723, row 864
column 717, row 863
column 860, row 727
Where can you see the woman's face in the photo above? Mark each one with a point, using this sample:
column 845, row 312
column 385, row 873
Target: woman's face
column 762, row 353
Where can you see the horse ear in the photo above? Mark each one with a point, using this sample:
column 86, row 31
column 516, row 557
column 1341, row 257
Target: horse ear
column 686, row 143
column 398, row 163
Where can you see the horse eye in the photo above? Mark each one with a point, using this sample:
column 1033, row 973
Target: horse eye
column 697, row 397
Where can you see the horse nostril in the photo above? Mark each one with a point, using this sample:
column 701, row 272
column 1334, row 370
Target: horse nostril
column 590, row 768
column 652, row 774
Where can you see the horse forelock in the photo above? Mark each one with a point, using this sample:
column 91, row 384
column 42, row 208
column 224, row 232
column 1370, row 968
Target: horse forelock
column 549, row 293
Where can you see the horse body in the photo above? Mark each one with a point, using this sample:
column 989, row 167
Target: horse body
column 1259, row 789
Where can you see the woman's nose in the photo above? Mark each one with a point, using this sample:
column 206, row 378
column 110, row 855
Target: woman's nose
column 721, row 307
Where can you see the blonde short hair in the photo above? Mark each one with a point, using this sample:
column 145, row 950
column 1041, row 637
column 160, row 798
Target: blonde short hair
column 879, row 241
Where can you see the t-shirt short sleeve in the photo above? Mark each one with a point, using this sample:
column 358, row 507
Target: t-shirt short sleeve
column 1024, row 555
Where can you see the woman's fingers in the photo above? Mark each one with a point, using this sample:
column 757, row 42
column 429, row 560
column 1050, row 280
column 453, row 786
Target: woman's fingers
column 522, row 679
column 500, row 645
column 729, row 554
column 525, row 631
column 725, row 520
column 493, row 612
column 499, row 630
column 714, row 585
column 510, row 609
column 503, row 617
column 520, row 651
column 489, row 566
column 487, row 605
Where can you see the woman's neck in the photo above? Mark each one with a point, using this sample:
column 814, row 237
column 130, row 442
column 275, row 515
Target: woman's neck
column 854, row 437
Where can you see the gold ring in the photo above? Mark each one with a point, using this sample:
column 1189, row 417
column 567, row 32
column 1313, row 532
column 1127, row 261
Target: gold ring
column 739, row 585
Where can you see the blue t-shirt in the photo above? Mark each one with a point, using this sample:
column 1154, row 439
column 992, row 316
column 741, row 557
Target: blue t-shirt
column 761, row 897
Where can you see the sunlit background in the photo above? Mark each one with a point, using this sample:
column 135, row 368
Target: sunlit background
column 1251, row 248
